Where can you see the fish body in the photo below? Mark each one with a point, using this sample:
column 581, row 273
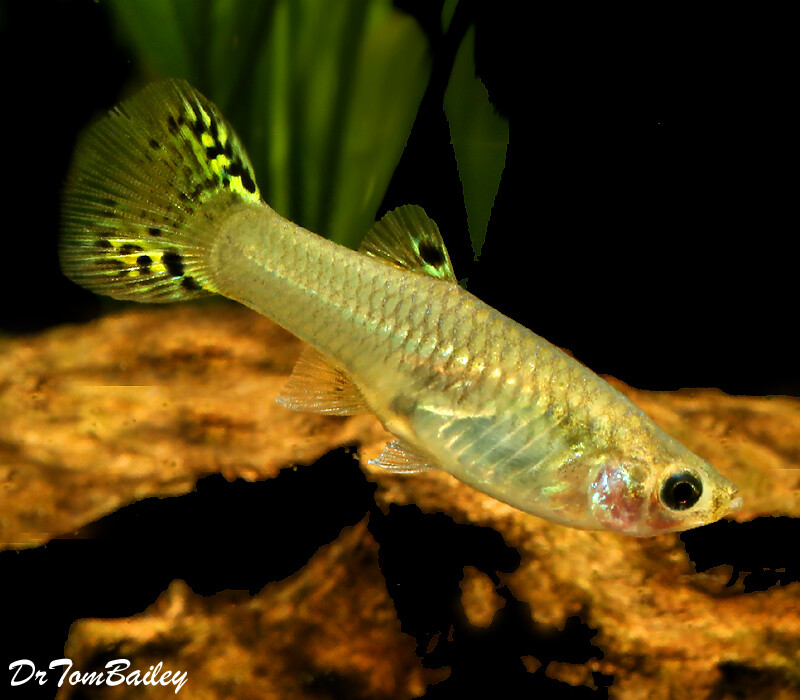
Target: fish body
column 161, row 205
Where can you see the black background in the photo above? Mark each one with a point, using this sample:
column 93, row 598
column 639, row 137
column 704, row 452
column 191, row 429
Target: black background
column 642, row 222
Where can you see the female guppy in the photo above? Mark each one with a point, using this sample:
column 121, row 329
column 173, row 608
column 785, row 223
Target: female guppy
column 161, row 205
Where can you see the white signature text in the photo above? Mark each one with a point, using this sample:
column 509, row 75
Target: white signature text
column 24, row 670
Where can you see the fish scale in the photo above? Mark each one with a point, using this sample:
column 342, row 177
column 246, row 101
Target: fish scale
column 161, row 205
column 464, row 423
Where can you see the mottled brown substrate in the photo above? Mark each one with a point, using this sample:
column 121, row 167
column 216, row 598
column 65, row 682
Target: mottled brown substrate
column 143, row 404
column 146, row 402
column 329, row 631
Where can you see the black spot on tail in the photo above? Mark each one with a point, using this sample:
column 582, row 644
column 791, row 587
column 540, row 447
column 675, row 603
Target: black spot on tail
column 213, row 128
column 214, row 151
column 189, row 283
column 236, row 168
column 248, row 183
column 153, row 231
column 197, row 127
column 174, row 263
column 144, row 261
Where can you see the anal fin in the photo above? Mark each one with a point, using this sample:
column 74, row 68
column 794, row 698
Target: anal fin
column 401, row 457
column 316, row 386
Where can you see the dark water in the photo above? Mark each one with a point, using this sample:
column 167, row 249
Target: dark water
column 640, row 219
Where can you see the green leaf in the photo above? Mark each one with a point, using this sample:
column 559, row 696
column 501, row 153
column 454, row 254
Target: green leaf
column 479, row 136
column 345, row 86
column 448, row 10
column 154, row 30
column 391, row 74
column 235, row 35
column 322, row 94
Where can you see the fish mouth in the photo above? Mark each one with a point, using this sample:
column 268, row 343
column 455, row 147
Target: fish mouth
column 735, row 503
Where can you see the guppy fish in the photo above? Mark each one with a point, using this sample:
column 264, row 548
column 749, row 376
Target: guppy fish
column 161, row 205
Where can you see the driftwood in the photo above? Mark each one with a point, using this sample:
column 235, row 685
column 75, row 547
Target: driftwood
column 147, row 402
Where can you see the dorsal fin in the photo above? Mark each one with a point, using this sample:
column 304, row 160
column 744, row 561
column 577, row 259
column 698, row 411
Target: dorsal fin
column 316, row 386
column 407, row 237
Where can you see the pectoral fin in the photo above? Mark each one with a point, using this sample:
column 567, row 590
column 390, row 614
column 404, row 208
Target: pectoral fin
column 316, row 386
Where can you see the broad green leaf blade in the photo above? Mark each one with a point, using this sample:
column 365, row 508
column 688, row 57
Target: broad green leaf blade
column 448, row 10
column 321, row 98
column 392, row 73
column 269, row 120
column 322, row 94
column 479, row 137
column 155, row 31
column 235, row 36
column 344, row 88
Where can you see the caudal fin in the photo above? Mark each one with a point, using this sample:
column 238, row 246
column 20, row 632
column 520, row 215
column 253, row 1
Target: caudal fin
column 147, row 186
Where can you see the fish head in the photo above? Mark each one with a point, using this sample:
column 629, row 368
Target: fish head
column 669, row 492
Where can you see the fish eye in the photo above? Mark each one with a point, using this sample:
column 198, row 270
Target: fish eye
column 681, row 491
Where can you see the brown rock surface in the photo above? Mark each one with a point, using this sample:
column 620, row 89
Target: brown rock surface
column 330, row 627
column 143, row 404
column 146, row 402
